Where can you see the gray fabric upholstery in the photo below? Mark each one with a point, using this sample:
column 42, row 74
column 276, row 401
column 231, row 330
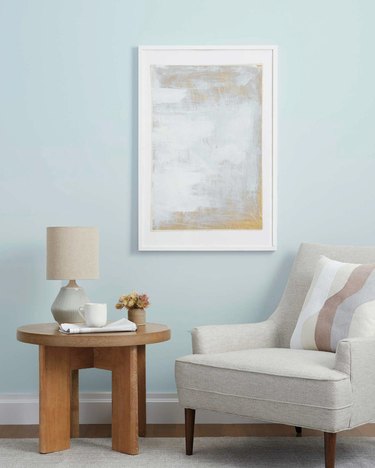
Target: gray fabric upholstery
column 327, row 391
column 273, row 384
column 356, row 357
column 222, row 338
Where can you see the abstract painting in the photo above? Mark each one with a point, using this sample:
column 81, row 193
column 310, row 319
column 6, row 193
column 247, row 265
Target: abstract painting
column 204, row 164
column 206, row 136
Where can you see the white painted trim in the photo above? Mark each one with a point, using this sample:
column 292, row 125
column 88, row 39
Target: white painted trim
column 95, row 408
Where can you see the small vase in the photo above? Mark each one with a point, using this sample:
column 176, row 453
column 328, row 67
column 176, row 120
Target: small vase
column 138, row 316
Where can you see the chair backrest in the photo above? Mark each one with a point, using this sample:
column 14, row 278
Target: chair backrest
column 289, row 308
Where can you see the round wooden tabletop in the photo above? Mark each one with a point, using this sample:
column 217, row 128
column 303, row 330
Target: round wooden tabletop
column 48, row 334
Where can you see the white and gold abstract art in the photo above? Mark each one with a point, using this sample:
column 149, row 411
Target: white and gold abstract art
column 207, row 149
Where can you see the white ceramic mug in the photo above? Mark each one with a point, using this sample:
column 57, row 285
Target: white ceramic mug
column 95, row 315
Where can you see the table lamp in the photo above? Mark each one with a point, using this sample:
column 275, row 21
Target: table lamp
column 72, row 253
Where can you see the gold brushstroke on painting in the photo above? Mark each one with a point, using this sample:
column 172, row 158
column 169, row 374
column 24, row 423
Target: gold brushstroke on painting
column 211, row 218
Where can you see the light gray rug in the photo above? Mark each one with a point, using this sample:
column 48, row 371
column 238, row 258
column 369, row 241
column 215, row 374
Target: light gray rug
column 283, row 452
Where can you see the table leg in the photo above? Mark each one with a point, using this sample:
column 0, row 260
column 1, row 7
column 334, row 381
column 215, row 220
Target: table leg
column 54, row 399
column 74, row 404
column 124, row 399
column 141, row 359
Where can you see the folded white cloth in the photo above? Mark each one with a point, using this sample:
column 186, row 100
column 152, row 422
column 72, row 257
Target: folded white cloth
column 121, row 325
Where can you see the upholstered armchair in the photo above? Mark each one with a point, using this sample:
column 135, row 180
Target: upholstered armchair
column 250, row 370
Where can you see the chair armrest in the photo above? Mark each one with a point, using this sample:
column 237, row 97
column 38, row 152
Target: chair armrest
column 356, row 357
column 222, row 338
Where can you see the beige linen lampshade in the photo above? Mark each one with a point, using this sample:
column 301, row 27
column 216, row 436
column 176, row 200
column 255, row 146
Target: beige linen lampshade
column 72, row 253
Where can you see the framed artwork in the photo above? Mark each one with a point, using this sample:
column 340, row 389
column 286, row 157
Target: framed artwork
column 207, row 148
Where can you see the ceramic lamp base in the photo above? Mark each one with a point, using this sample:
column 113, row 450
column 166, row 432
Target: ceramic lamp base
column 65, row 307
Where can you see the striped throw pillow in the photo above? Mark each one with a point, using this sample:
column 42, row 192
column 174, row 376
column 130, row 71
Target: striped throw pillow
column 339, row 304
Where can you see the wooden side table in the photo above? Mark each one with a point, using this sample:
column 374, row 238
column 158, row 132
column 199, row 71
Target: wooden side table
column 60, row 358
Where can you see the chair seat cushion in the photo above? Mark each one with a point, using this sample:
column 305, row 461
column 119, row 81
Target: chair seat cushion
column 291, row 386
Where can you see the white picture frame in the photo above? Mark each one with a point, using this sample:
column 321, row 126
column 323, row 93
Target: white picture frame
column 157, row 61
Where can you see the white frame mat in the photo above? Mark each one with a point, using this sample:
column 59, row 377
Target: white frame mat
column 263, row 238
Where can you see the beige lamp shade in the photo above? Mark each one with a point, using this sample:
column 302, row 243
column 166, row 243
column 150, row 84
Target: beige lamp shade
column 72, row 253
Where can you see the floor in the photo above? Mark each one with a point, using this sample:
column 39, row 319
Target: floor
column 209, row 452
column 177, row 430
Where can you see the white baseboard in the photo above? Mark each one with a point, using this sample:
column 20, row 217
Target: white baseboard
column 95, row 408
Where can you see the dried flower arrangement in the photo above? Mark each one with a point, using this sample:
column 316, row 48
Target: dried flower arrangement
column 133, row 301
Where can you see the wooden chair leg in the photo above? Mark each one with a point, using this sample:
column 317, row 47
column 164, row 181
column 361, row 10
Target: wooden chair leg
column 298, row 431
column 329, row 449
column 189, row 430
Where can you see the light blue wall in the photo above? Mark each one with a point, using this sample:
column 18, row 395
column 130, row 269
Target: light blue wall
column 68, row 148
